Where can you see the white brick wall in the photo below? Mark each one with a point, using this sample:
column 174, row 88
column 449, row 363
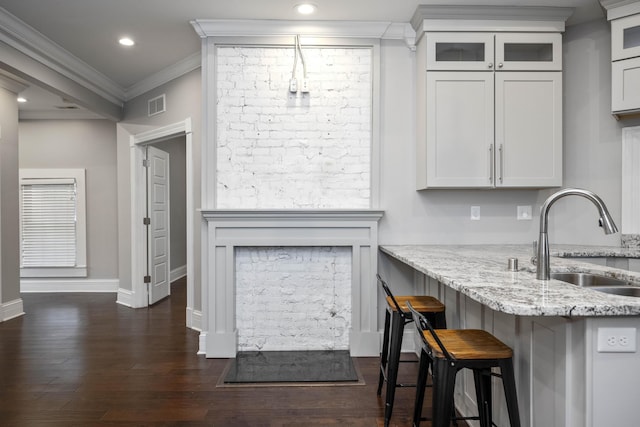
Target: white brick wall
column 293, row 298
column 282, row 150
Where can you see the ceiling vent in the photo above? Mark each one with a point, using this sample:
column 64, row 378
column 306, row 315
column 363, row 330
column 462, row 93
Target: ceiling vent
column 157, row 105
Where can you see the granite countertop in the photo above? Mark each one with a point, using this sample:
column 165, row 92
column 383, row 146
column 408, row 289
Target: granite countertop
column 480, row 272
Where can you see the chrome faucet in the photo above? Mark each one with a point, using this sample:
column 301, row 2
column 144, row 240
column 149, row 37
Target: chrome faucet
column 606, row 222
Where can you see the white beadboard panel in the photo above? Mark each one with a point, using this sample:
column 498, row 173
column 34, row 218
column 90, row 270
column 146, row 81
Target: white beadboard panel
column 630, row 180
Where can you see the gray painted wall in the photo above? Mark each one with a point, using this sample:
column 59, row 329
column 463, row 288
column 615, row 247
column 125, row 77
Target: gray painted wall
column 176, row 148
column 88, row 144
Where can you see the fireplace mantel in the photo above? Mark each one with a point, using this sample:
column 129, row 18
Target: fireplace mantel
column 226, row 229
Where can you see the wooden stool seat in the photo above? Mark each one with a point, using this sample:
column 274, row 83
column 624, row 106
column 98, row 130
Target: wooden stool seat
column 467, row 344
column 422, row 303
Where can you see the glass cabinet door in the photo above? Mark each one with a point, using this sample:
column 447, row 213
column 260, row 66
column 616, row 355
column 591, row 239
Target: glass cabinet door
column 528, row 51
column 459, row 51
column 625, row 37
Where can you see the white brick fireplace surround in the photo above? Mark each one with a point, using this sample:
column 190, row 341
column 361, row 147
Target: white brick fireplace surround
column 228, row 229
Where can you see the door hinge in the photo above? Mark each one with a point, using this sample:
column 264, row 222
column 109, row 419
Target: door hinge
column 145, row 163
column 147, row 279
column 146, row 221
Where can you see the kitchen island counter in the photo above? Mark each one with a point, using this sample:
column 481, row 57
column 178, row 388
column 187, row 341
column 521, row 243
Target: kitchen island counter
column 480, row 272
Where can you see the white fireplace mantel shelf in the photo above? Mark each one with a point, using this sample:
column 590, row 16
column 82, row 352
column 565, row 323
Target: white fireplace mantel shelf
column 227, row 229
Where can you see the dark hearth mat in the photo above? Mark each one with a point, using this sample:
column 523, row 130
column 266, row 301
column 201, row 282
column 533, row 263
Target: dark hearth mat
column 291, row 367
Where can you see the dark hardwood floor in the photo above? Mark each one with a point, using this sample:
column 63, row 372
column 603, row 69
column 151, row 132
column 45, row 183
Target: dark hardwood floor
column 83, row 360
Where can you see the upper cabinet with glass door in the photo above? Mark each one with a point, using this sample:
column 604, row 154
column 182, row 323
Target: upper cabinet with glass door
column 625, row 65
column 625, row 56
column 625, row 38
column 475, row 51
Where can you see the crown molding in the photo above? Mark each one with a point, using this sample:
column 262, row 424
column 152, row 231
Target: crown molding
column 12, row 83
column 620, row 8
column 188, row 64
column 239, row 27
column 477, row 18
column 20, row 36
column 58, row 115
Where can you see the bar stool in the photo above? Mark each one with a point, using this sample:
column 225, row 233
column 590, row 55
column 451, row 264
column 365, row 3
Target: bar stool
column 396, row 317
column 449, row 351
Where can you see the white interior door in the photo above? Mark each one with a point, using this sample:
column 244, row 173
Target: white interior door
column 158, row 228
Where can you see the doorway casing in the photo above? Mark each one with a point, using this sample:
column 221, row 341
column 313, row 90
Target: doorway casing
column 137, row 143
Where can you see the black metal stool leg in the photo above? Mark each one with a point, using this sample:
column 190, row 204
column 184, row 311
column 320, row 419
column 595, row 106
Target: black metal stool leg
column 423, row 373
column 482, row 380
column 444, row 381
column 509, row 385
column 397, row 330
column 384, row 356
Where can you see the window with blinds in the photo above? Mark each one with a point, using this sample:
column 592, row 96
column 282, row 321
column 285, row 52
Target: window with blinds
column 52, row 223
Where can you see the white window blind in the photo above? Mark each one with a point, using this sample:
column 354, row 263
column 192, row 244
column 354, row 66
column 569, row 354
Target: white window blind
column 49, row 223
column 52, row 223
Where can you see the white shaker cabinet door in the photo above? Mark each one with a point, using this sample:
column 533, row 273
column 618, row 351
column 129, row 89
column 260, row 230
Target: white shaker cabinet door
column 528, row 129
column 459, row 128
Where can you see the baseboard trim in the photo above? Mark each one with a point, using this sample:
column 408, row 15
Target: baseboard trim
column 69, row 285
column 202, row 350
column 11, row 310
column 194, row 319
column 178, row 273
column 125, row 297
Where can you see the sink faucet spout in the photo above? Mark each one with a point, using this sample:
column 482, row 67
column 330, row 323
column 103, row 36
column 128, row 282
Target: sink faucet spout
column 606, row 222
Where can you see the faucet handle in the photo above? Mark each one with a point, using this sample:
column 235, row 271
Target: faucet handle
column 534, row 257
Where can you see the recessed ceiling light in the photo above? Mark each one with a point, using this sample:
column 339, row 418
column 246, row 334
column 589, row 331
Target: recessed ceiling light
column 306, row 8
column 21, row 99
column 126, row 41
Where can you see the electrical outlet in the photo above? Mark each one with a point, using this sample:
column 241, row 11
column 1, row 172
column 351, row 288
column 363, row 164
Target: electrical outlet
column 475, row 213
column 293, row 85
column 616, row 340
column 304, row 86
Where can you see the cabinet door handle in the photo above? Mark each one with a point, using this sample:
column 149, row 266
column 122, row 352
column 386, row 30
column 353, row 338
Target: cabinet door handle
column 491, row 160
column 490, row 64
column 501, row 163
column 500, row 65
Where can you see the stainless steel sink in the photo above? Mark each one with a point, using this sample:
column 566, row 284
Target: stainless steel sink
column 588, row 280
column 599, row 283
column 625, row 291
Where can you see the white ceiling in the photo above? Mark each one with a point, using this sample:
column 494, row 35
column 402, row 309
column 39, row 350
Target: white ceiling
column 89, row 29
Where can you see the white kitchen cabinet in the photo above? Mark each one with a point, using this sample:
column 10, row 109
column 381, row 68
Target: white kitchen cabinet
column 528, row 129
column 625, row 57
column 625, row 37
column 485, row 122
column 482, row 51
column 625, row 65
column 460, row 129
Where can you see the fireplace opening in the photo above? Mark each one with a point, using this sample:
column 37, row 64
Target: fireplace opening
column 293, row 298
